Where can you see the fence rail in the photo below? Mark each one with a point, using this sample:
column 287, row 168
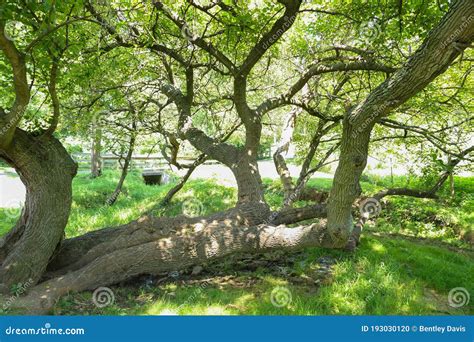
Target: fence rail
column 138, row 162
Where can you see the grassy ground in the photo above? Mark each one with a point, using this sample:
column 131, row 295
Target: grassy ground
column 409, row 259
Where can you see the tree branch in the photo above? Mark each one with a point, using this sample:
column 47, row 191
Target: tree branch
column 11, row 119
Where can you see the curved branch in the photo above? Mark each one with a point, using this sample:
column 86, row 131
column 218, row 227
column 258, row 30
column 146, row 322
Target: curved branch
column 318, row 69
column 280, row 26
column 11, row 119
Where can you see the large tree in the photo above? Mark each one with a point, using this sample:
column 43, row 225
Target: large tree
column 227, row 62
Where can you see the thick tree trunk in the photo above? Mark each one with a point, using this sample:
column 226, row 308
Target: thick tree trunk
column 242, row 162
column 249, row 182
column 76, row 252
column 443, row 45
column 47, row 171
column 248, row 230
column 346, row 188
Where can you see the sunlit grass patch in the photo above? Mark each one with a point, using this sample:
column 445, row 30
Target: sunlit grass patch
column 402, row 278
column 410, row 273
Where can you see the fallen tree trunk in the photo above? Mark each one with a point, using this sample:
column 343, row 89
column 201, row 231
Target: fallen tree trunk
column 155, row 245
column 194, row 244
column 77, row 252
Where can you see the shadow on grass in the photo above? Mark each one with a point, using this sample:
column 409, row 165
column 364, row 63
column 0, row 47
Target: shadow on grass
column 385, row 277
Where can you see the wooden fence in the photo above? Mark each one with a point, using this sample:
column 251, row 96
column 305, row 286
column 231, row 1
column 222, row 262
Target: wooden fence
column 140, row 162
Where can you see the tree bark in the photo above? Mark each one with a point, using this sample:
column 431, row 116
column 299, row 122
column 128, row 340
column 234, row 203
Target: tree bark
column 10, row 120
column 242, row 162
column 46, row 170
column 443, row 45
column 141, row 248
column 346, row 188
column 194, row 244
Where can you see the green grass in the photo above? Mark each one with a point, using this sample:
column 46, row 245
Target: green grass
column 90, row 212
column 386, row 276
column 408, row 261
